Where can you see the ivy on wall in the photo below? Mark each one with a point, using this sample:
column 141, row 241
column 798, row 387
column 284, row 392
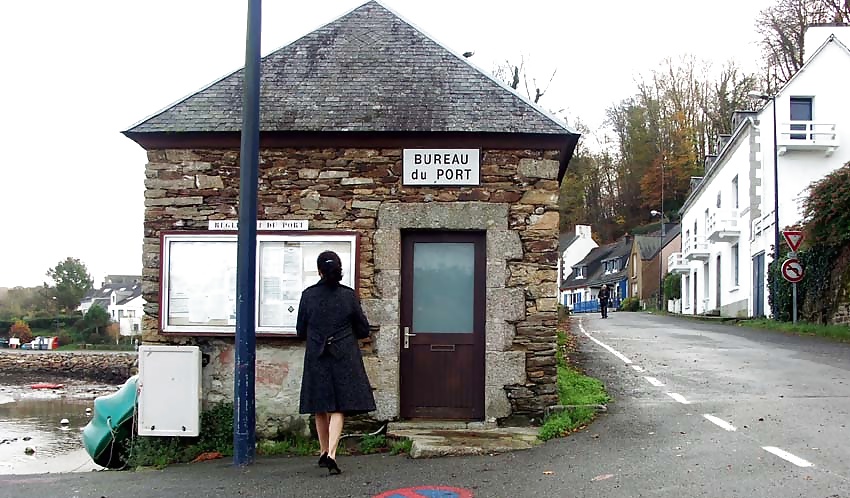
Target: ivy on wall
column 825, row 256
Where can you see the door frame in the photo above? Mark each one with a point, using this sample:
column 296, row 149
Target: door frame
column 477, row 339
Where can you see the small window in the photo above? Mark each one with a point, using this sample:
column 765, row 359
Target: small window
column 735, row 269
column 718, row 200
column 801, row 110
column 734, row 191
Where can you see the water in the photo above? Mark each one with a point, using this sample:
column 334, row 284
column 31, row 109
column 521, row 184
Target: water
column 36, row 414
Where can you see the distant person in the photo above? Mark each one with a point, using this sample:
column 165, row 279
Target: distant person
column 604, row 296
column 335, row 382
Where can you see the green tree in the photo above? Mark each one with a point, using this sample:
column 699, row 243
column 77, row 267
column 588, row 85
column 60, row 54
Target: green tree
column 71, row 281
column 92, row 328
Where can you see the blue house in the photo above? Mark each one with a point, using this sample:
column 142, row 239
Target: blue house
column 606, row 264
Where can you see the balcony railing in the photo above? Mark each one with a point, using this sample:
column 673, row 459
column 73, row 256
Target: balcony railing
column 807, row 135
column 695, row 247
column 676, row 263
column 723, row 226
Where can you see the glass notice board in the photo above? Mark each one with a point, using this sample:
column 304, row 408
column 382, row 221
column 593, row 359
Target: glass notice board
column 198, row 293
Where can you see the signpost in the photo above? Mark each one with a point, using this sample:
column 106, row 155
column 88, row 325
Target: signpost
column 792, row 270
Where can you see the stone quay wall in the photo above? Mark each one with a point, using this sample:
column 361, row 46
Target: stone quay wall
column 108, row 367
column 361, row 190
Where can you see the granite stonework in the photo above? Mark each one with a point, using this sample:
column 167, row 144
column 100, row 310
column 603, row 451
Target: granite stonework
column 360, row 190
column 97, row 366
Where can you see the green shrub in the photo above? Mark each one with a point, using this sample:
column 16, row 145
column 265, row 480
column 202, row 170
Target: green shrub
column 630, row 304
column 561, row 424
column 373, row 444
column 401, row 446
column 300, row 446
column 673, row 286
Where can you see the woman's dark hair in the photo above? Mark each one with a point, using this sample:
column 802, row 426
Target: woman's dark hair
column 331, row 267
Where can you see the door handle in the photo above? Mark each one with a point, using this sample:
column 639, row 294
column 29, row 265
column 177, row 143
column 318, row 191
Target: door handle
column 407, row 336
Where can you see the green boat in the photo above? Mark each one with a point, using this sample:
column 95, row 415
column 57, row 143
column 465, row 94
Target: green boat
column 111, row 426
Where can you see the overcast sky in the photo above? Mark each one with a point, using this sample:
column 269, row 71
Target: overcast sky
column 77, row 73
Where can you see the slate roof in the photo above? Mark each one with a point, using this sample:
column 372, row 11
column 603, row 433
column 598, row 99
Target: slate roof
column 368, row 71
column 648, row 245
column 595, row 268
column 566, row 239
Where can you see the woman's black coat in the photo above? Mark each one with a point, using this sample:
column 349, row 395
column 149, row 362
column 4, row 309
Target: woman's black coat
column 334, row 378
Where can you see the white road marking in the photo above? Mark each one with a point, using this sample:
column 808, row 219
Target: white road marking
column 679, row 398
column 607, row 347
column 637, row 368
column 655, row 382
column 719, row 422
column 799, row 462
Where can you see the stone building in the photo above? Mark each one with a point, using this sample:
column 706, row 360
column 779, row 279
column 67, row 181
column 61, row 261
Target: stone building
column 348, row 112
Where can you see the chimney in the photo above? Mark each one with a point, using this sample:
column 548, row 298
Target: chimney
column 817, row 34
column 709, row 162
column 740, row 116
column 583, row 231
column 722, row 140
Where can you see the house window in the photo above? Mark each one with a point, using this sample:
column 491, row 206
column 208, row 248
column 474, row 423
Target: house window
column 735, row 271
column 131, row 313
column 801, row 110
column 634, row 265
column 718, row 200
column 136, row 327
column 735, row 191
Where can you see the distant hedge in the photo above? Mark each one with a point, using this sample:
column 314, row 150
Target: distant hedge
column 63, row 321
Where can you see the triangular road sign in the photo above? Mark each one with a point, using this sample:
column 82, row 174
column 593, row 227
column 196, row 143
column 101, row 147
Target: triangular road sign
column 794, row 238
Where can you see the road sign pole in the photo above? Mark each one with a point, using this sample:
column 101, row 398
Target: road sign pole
column 794, row 302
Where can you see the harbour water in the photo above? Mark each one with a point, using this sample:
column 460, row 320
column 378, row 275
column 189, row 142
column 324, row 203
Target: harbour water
column 32, row 418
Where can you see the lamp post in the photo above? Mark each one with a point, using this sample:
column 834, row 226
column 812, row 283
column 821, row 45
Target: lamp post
column 772, row 99
column 660, row 214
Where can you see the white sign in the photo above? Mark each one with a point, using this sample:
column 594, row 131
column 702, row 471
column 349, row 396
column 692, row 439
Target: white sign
column 441, row 167
column 271, row 225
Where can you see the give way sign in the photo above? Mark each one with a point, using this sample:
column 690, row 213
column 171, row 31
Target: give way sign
column 794, row 238
column 792, row 270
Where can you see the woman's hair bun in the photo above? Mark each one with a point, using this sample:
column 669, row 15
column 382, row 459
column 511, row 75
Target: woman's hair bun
column 330, row 265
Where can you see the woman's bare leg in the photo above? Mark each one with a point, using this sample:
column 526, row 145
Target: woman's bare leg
column 334, row 432
column 322, row 421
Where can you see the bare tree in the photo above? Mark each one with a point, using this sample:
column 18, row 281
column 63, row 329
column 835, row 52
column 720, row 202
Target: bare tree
column 514, row 74
column 782, row 27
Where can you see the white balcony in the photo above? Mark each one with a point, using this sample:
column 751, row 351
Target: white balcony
column 676, row 263
column 723, row 226
column 806, row 136
column 695, row 248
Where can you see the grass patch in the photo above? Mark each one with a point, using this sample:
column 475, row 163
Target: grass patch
column 401, row 447
column 299, row 446
column 216, row 436
column 373, row 444
column 574, row 388
column 563, row 423
column 836, row 332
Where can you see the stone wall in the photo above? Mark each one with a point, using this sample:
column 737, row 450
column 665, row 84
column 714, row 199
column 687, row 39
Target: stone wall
column 113, row 368
column 360, row 190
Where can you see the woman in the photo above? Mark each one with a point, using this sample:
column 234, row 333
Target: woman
column 334, row 383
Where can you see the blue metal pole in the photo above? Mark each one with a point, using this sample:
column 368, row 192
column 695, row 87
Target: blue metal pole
column 244, row 408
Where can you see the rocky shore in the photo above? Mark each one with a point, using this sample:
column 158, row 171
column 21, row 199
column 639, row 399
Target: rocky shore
column 106, row 367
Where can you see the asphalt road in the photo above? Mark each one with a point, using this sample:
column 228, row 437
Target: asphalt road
column 701, row 410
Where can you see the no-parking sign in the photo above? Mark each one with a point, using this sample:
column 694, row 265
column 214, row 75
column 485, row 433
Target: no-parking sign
column 792, row 270
column 427, row 492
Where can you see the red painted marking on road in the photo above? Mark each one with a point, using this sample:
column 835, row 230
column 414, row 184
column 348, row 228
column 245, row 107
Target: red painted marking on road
column 427, row 492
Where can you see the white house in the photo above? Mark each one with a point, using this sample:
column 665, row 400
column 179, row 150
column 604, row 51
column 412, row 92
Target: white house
column 121, row 297
column 573, row 248
column 728, row 219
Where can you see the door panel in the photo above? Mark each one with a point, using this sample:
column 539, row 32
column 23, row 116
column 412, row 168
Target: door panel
column 442, row 320
column 758, row 285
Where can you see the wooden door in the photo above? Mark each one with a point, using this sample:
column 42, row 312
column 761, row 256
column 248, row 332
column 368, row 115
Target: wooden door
column 443, row 286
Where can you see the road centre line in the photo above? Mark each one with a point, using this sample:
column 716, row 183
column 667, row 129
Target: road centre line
column 679, row 398
column 799, row 462
column 655, row 382
column 605, row 346
column 638, row 368
column 719, row 422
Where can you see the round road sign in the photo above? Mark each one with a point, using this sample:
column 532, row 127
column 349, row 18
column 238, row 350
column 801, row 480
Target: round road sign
column 792, row 270
column 427, row 492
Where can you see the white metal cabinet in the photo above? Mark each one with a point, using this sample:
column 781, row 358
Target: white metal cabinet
column 169, row 391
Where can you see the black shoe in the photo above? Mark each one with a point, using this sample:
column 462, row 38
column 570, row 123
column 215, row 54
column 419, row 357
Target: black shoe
column 323, row 460
column 332, row 466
